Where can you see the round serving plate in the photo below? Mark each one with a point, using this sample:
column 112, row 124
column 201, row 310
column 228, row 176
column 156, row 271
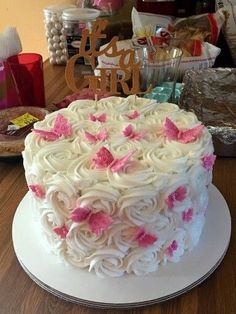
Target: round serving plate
column 83, row 287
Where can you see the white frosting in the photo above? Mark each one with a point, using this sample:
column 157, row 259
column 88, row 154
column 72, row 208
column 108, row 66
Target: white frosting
column 134, row 198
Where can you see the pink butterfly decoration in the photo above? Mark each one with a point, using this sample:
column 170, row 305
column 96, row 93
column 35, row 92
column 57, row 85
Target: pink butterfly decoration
column 61, row 127
column 208, row 161
column 98, row 222
column 100, row 136
column 178, row 195
column 101, row 118
column 185, row 136
column 61, row 231
column 37, row 190
column 144, row 238
column 47, row 135
column 130, row 133
column 171, row 248
column 133, row 115
column 80, row 214
column 105, row 159
column 118, row 164
column 187, row 215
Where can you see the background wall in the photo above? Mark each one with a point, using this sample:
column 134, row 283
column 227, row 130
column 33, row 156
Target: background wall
column 27, row 17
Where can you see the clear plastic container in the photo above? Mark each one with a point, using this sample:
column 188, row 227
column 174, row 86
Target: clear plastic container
column 55, row 33
column 74, row 21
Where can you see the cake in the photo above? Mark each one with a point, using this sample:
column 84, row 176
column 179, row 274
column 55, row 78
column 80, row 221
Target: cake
column 121, row 184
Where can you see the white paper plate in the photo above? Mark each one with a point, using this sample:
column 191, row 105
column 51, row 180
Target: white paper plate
column 80, row 286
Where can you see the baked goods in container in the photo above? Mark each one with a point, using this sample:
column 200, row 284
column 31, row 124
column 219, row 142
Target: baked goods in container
column 12, row 139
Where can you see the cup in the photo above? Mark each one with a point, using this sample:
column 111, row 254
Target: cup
column 27, row 72
column 159, row 71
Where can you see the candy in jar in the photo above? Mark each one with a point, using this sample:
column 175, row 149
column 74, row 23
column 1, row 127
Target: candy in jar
column 55, row 33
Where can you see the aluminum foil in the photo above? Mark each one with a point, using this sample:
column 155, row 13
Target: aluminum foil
column 211, row 94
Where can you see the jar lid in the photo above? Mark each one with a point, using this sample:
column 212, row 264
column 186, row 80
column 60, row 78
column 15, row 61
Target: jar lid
column 57, row 8
column 80, row 14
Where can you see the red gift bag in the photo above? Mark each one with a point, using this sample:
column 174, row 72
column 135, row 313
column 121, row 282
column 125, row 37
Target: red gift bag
column 9, row 96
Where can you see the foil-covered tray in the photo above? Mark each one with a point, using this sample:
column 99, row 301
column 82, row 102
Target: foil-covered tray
column 211, row 94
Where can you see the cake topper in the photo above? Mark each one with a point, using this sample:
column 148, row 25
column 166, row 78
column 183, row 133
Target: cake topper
column 98, row 84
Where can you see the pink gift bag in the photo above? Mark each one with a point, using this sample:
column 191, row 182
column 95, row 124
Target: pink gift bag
column 9, row 96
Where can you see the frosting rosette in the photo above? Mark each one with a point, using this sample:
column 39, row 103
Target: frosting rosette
column 139, row 205
column 61, row 194
column 51, row 159
column 166, row 159
column 107, row 262
column 81, row 239
column 100, row 196
column 134, row 173
column 121, row 236
column 142, row 261
column 165, row 226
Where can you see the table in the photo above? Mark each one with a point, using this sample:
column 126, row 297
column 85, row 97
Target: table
column 19, row 294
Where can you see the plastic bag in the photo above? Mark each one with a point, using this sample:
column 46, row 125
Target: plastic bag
column 204, row 27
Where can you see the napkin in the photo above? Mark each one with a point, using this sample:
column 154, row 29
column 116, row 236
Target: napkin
column 10, row 45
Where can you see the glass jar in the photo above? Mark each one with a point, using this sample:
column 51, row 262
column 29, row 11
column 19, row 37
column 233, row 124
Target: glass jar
column 55, row 33
column 74, row 21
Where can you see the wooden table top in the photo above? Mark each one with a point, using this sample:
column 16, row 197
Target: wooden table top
column 19, row 294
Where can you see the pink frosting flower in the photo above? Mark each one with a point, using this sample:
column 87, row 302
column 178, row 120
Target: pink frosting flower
column 208, row 161
column 80, row 214
column 144, row 238
column 171, row 248
column 134, row 115
column 178, row 195
column 37, row 190
column 61, row 231
column 187, row 215
column 100, row 136
column 131, row 134
column 101, row 118
column 183, row 136
column 98, row 222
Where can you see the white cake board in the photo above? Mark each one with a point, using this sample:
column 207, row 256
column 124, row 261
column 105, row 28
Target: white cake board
column 80, row 286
